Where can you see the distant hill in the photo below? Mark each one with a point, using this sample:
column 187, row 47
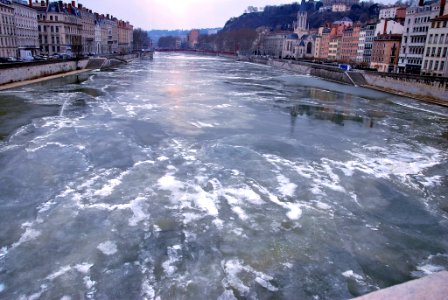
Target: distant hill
column 155, row 35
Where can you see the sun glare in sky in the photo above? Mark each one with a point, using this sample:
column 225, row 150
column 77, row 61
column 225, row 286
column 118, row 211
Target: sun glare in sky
column 178, row 14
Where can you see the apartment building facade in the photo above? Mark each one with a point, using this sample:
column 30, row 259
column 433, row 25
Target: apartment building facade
column 60, row 28
column 125, row 37
column 368, row 42
column 88, row 29
column 349, row 43
column 435, row 60
column 417, row 24
column 8, row 42
column 385, row 52
column 26, row 32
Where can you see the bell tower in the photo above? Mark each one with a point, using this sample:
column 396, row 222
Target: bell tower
column 300, row 27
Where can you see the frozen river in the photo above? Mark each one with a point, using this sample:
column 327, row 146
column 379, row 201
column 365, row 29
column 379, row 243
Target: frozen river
column 193, row 177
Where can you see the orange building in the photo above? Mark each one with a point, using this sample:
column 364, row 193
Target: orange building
column 193, row 38
column 325, row 36
column 385, row 51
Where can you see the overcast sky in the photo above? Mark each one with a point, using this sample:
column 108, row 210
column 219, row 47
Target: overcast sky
column 176, row 14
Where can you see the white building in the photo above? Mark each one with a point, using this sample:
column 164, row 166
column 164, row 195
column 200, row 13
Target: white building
column 27, row 34
column 340, row 7
column 390, row 13
column 435, row 60
column 369, row 30
column 417, row 24
column 361, row 45
column 386, row 26
column 271, row 44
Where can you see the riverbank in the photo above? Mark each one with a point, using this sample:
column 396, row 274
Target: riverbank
column 424, row 88
column 16, row 75
column 74, row 74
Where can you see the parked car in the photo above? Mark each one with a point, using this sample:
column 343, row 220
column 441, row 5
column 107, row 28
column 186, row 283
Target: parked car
column 65, row 56
column 38, row 57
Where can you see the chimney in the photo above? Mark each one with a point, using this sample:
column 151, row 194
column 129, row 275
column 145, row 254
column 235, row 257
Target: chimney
column 385, row 26
column 421, row 2
column 46, row 3
column 42, row 3
column 30, row 3
column 442, row 7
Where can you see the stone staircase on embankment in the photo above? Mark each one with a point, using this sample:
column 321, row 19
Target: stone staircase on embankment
column 357, row 78
column 96, row 63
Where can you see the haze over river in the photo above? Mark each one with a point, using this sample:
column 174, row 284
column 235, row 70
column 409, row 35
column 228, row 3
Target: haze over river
column 191, row 177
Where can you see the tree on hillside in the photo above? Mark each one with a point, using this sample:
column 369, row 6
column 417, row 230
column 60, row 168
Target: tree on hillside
column 236, row 40
column 207, row 42
column 251, row 9
column 167, row 42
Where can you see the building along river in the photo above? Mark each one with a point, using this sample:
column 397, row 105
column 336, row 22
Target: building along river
column 191, row 177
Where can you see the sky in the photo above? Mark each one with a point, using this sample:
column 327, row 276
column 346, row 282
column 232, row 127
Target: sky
column 176, row 14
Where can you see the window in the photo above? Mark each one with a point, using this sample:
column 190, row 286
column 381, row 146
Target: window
column 425, row 64
column 442, row 65
column 436, row 66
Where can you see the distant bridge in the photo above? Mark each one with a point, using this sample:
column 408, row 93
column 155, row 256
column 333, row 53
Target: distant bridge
column 198, row 51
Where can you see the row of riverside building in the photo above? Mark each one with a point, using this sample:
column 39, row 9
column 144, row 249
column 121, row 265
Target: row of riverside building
column 48, row 28
column 403, row 40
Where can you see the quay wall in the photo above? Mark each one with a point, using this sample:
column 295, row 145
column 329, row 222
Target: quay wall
column 326, row 72
column 28, row 71
column 10, row 73
column 434, row 89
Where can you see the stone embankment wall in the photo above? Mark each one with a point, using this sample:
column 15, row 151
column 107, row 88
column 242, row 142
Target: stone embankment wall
column 28, row 71
column 433, row 89
column 326, row 72
column 33, row 70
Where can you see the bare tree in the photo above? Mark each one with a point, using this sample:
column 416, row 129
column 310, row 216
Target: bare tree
column 141, row 39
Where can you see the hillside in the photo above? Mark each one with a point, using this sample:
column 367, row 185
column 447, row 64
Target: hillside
column 283, row 16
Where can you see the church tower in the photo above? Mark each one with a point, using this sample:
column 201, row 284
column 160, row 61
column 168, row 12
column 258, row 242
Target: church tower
column 300, row 27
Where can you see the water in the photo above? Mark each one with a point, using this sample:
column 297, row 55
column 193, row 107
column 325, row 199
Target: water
column 194, row 177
